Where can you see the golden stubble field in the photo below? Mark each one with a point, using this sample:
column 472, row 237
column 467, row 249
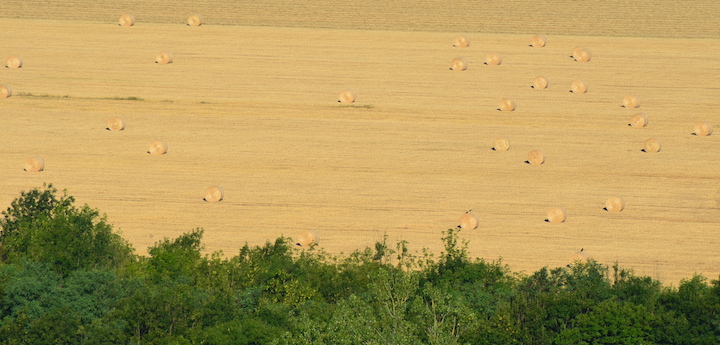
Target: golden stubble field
column 254, row 109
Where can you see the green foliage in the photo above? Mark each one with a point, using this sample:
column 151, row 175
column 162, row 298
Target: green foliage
column 40, row 226
column 66, row 278
column 177, row 258
column 699, row 304
column 444, row 315
column 610, row 322
column 247, row 331
column 43, row 306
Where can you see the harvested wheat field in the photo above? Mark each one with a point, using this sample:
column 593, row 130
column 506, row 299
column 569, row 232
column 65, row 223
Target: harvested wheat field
column 251, row 104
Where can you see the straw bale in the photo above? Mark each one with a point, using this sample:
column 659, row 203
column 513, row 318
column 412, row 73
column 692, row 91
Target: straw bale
column 703, row 128
column 158, row 148
column 538, row 41
column 13, row 61
column 614, row 204
column 493, row 59
column 347, row 96
column 214, row 194
column 194, row 20
column 579, row 258
column 638, row 120
column 536, row 157
column 462, row 42
column 127, row 20
column 308, row 238
column 540, row 82
column 469, row 221
column 575, row 51
column 652, row 145
column 631, row 102
column 34, row 164
column 501, row 144
column 5, row 91
column 578, row 86
column 556, row 215
column 507, row 104
column 115, row 124
column 581, row 54
column 164, row 58
column 458, row 64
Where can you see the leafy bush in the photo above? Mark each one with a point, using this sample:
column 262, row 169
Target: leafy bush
column 65, row 277
column 40, row 226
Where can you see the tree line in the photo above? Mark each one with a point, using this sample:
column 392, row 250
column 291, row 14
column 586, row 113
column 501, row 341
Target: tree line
column 67, row 278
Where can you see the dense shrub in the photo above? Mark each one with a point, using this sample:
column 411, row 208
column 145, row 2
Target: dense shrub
column 65, row 277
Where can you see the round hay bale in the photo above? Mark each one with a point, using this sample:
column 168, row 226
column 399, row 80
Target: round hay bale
column 631, row 102
column 581, row 54
column 164, row 58
column 538, row 41
column 493, row 59
column 458, row 64
column 194, row 20
column 13, row 61
column 536, row 157
column 556, row 215
column 579, row 258
column 578, row 86
column 614, row 204
column 127, row 20
column 214, row 194
column 158, row 148
column 115, row 124
column 501, row 144
column 703, row 128
column 308, row 238
column 347, row 96
column 462, row 42
column 638, row 120
column 5, row 91
column 540, row 82
column 507, row 104
column 652, row 145
column 34, row 164
column 575, row 51
column 469, row 221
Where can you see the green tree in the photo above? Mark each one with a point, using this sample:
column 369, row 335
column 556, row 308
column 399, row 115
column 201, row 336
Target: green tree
column 549, row 300
column 610, row 322
column 699, row 303
column 42, row 227
column 39, row 306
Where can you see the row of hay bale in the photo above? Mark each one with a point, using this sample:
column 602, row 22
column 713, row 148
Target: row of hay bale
column 614, row 204
column 15, row 61
column 163, row 57
column 536, row 41
column 541, row 82
column 470, row 221
column 129, row 20
column 213, row 194
column 12, row 61
column 557, row 215
column 579, row 53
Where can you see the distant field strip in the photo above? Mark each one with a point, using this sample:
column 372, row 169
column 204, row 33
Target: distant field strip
column 619, row 18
